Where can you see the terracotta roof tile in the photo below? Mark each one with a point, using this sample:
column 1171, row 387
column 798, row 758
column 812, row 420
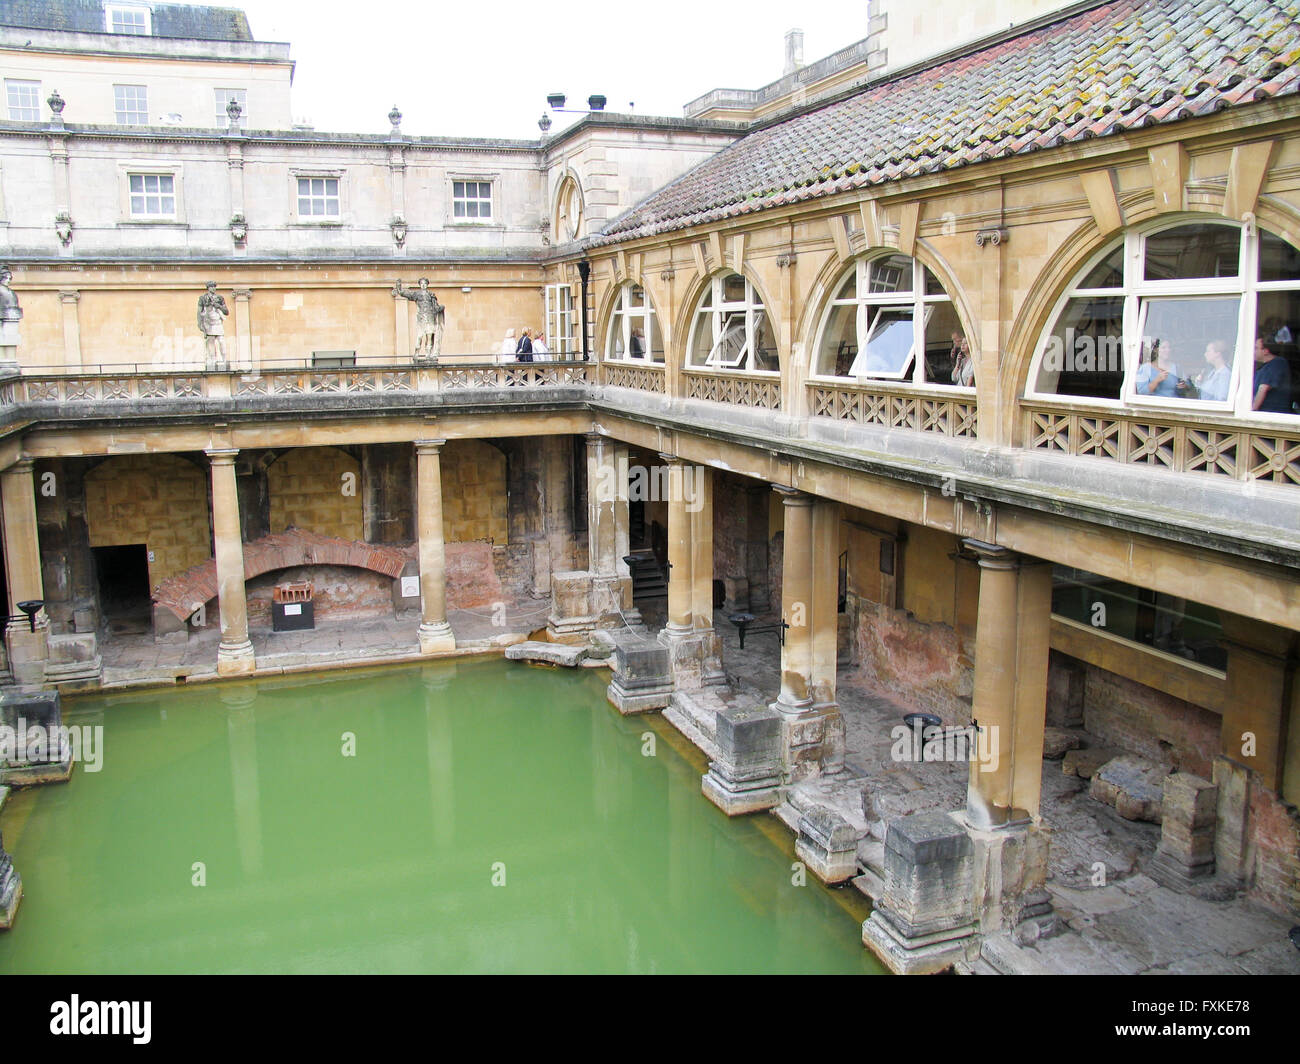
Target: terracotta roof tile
column 1124, row 65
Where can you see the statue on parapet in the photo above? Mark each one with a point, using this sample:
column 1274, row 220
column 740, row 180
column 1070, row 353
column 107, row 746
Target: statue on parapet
column 212, row 311
column 429, row 318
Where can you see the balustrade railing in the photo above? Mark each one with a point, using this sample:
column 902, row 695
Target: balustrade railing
column 877, row 404
column 735, row 388
column 646, row 378
column 1242, row 452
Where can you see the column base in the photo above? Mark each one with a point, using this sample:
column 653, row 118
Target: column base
column 906, row 954
column 235, row 659
column 642, row 677
column 11, row 891
column 41, row 753
column 695, row 657
column 828, row 845
column 746, row 776
column 812, row 739
column 28, row 651
column 437, row 638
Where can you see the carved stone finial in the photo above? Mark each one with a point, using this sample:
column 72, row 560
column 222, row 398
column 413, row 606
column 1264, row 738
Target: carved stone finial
column 56, row 102
column 544, row 124
column 395, row 117
column 233, row 111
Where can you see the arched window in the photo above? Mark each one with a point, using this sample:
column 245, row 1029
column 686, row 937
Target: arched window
column 887, row 311
column 731, row 330
column 634, row 327
column 1198, row 316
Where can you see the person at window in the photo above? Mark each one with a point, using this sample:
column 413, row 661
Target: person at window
column 524, row 352
column 1213, row 382
column 963, row 366
column 1159, row 376
column 541, row 353
column 636, row 345
column 1272, row 378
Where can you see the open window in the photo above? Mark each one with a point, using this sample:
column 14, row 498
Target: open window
column 730, row 330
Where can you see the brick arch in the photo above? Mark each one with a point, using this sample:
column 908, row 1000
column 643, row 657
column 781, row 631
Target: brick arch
column 183, row 593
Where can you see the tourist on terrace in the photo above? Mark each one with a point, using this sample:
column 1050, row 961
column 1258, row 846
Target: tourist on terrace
column 541, row 353
column 524, row 352
column 1272, row 377
column 1213, row 382
column 508, row 346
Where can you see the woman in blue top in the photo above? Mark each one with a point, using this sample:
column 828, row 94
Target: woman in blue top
column 1159, row 376
column 1213, row 382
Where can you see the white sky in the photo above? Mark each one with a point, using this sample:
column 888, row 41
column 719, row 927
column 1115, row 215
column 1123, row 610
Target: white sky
column 484, row 67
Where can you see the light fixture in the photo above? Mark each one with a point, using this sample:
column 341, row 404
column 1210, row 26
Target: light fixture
column 467, row 289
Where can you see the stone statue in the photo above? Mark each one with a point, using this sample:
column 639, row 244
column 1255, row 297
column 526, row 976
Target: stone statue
column 9, row 308
column 429, row 315
column 212, row 309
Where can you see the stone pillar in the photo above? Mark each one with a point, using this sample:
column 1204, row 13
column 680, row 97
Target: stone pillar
column 680, row 603
column 607, row 530
column 813, row 728
column 435, row 633
column 1010, row 700
column 71, row 328
column 28, row 649
column 1261, row 685
column 699, row 507
column 235, row 652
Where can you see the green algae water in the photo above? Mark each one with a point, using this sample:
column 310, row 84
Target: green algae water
column 475, row 816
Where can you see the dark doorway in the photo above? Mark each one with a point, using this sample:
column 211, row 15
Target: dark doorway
column 124, row 598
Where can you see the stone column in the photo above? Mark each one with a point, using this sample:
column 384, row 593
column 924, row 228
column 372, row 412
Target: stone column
column 435, row 633
column 28, row 650
column 71, row 328
column 698, row 488
column 1010, row 701
column 610, row 596
column 680, row 607
column 796, row 602
column 235, row 652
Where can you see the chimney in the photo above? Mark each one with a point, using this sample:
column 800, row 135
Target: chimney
column 793, row 51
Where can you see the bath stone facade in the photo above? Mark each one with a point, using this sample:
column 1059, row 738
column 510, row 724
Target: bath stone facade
column 851, row 322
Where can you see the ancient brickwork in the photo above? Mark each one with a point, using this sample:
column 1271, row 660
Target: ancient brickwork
column 318, row 489
column 159, row 500
column 474, row 498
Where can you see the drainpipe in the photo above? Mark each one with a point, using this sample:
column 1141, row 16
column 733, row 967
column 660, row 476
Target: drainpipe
column 584, row 272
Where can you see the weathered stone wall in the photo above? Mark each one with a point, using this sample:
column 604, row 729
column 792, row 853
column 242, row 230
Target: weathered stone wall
column 1276, row 834
column 920, row 664
column 473, row 492
column 1157, row 726
column 318, row 489
column 388, row 485
column 158, row 500
column 67, row 566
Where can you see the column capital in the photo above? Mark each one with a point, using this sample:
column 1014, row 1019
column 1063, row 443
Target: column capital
column 792, row 496
column 67, row 295
column 597, row 437
column 242, row 293
column 991, row 556
column 429, row 446
column 23, row 466
column 671, row 459
column 222, row 455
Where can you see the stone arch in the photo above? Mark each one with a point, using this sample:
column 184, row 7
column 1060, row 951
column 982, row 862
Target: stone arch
column 316, row 488
column 160, row 500
column 569, row 183
column 184, row 592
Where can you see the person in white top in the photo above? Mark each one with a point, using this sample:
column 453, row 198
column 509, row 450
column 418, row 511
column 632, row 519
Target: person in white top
column 508, row 345
column 541, row 353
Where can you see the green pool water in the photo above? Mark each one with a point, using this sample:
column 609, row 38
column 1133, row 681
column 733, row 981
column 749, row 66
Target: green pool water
column 607, row 860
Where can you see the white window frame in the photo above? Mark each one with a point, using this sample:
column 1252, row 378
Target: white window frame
column 340, row 176
column 118, row 112
column 222, row 96
column 21, row 85
column 729, row 322
column 623, row 319
column 142, row 10
column 921, row 305
column 492, row 181
column 149, row 168
column 1137, row 292
column 145, row 194
column 561, row 334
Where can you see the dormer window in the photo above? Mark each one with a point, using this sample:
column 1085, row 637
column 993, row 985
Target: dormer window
column 133, row 19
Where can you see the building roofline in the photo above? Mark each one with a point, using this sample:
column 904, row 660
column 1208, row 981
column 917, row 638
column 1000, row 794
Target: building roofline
column 661, row 123
column 121, row 45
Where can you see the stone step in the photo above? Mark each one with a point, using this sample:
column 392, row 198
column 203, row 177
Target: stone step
column 564, row 654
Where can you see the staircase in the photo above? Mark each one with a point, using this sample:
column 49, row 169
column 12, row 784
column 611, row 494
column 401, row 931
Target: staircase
column 647, row 578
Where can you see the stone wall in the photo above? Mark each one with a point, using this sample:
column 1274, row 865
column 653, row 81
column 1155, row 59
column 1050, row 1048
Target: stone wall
column 474, row 492
column 336, row 591
column 159, row 500
column 1276, row 833
column 1157, row 726
column 318, row 489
